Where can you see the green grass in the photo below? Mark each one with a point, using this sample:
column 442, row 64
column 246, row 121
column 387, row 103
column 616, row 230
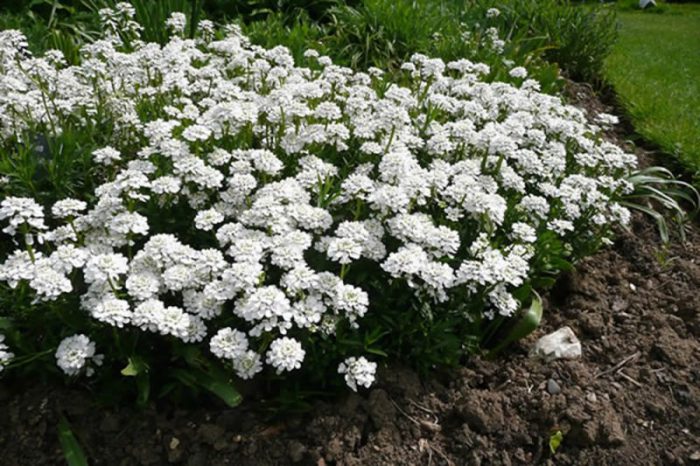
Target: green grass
column 655, row 71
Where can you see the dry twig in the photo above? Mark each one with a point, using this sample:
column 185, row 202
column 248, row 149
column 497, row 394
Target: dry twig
column 629, row 379
column 619, row 365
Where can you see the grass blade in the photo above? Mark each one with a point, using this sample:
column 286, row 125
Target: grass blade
column 72, row 451
column 221, row 388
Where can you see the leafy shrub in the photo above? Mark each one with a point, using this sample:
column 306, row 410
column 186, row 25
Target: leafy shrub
column 242, row 214
column 386, row 33
column 53, row 25
column 298, row 34
column 576, row 37
column 658, row 194
column 288, row 10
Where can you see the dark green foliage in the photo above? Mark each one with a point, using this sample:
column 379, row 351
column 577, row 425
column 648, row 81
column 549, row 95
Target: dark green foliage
column 286, row 10
column 297, row 34
column 575, row 36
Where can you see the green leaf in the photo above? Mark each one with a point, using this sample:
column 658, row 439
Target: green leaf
column 378, row 352
column 143, row 383
column 555, row 441
column 135, row 367
column 72, row 451
column 527, row 323
column 220, row 387
column 192, row 355
column 6, row 323
column 215, row 382
column 185, row 377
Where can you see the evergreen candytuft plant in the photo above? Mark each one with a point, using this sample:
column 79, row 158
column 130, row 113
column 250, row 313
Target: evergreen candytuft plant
column 248, row 215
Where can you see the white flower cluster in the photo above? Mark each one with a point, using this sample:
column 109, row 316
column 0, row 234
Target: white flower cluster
column 282, row 179
column 358, row 371
column 75, row 353
column 5, row 355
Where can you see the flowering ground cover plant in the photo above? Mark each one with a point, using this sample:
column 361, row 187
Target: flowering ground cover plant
column 246, row 215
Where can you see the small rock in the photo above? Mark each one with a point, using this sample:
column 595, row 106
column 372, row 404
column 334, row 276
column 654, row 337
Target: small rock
column 561, row 344
column 553, row 387
column 620, row 305
column 591, row 397
column 174, row 443
column 695, row 456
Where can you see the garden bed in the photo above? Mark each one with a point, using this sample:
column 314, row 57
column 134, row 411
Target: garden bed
column 632, row 399
column 644, row 411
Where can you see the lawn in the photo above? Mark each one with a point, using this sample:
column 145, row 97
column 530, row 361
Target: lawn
column 654, row 69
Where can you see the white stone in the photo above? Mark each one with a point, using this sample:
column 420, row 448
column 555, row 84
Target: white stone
column 561, row 344
column 645, row 3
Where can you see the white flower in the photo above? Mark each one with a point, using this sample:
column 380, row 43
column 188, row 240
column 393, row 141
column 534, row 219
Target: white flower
column 503, row 301
column 560, row 226
column 524, row 232
column 67, row 257
column 285, row 354
column 309, row 311
column 129, row 223
column 106, row 155
column 206, row 219
column 143, row 285
column 74, row 353
column 18, row 266
column 173, row 321
column 196, row 133
column 166, row 185
column 105, row 267
column 265, row 302
column 176, row 23
column 48, row 282
column 518, row 72
column 21, row 211
column 358, row 371
column 344, row 250
column 5, row 355
column 112, row 311
column 247, row 365
column 68, row 208
column 147, row 314
column 178, row 277
column 605, row 119
column 229, row 343
column 350, row 299
column 493, row 13
column 311, row 53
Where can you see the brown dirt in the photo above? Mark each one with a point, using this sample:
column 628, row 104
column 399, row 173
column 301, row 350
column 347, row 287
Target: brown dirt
column 632, row 399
